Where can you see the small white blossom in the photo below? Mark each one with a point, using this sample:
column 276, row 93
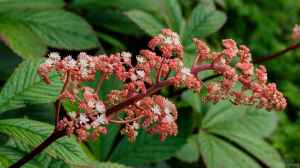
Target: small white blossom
column 140, row 73
column 70, row 62
column 168, row 118
column 100, row 107
column 126, row 56
column 91, row 103
column 83, row 118
column 168, row 40
column 72, row 114
column 135, row 125
column 155, row 109
column 54, row 56
column 133, row 77
column 100, row 120
column 185, row 72
column 140, row 59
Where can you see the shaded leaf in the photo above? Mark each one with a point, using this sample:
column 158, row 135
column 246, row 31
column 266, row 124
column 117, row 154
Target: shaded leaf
column 26, row 4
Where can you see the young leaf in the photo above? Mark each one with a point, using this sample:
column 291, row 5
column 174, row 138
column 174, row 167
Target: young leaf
column 9, row 156
column 26, row 87
column 32, row 133
column 218, row 153
column 145, row 21
column 203, row 22
column 148, row 148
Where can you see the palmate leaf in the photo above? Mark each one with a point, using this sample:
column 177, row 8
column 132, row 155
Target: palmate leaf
column 147, row 22
column 203, row 22
column 9, row 155
column 148, row 148
column 217, row 153
column 26, row 87
column 32, row 133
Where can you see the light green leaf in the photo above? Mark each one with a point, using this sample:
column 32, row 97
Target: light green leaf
column 257, row 147
column 9, row 156
column 26, row 87
column 231, row 118
column 203, row 22
column 148, row 148
column 6, row 5
column 32, row 133
column 21, row 40
column 192, row 99
column 145, row 21
column 218, row 153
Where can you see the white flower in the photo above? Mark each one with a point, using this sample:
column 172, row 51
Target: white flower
column 185, row 72
column 140, row 73
column 83, row 118
column 100, row 107
column 140, row 59
column 168, row 118
column 168, row 40
column 70, row 62
column 54, row 56
column 126, row 56
column 155, row 109
column 100, row 120
column 135, row 125
column 91, row 103
column 72, row 114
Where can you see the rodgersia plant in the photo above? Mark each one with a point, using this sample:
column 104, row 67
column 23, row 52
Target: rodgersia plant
column 144, row 75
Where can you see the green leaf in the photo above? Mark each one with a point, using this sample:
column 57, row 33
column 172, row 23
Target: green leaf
column 20, row 39
column 189, row 152
column 145, row 21
column 6, row 5
column 56, row 28
column 218, row 153
column 171, row 12
column 9, row 156
column 192, row 99
column 26, row 87
column 227, row 117
column 203, row 22
column 148, row 148
column 110, row 165
column 257, row 147
column 102, row 147
column 32, row 133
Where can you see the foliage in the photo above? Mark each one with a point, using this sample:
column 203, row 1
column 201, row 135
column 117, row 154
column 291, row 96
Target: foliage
column 212, row 136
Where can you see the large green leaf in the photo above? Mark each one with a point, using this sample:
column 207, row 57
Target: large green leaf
column 109, row 165
column 9, row 155
column 26, row 87
column 25, row 4
column 203, row 22
column 189, row 152
column 148, row 148
column 257, row 147
column 145, row 21
column 231, row 118
column 217, row 153
column 21, row 40
column 32, row 133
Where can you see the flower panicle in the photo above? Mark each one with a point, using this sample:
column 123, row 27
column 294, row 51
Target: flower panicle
column 141, row 107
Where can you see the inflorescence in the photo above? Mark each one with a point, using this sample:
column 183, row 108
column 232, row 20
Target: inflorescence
column 240, row 83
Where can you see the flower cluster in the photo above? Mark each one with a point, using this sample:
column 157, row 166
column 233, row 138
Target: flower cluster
column 240, row 82
column 144, row 77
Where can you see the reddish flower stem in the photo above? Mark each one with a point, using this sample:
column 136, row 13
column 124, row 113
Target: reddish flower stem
column 58, row 103
column 53, row 137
